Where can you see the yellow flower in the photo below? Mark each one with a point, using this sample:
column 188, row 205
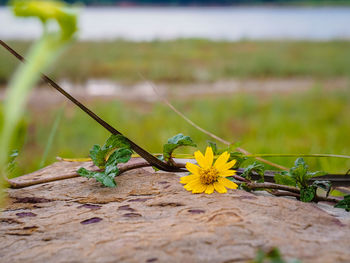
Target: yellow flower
column 206, row 177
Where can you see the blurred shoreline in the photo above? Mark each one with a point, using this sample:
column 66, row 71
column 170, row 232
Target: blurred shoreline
column 231, row 23
column 188, row 61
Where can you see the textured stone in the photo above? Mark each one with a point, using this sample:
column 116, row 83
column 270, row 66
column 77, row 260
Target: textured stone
column 150, row 217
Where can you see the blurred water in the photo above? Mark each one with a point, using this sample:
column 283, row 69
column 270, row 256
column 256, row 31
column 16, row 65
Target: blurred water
column 228, row 23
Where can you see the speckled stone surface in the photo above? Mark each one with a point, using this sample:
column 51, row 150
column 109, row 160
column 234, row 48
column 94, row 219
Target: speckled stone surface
column 150, row 217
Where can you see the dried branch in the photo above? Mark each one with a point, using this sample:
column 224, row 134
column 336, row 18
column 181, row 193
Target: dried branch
column 207, row 132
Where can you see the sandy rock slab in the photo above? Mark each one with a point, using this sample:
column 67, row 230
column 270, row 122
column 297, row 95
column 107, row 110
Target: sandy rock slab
column 150, row 217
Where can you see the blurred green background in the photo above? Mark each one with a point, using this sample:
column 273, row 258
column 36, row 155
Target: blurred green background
column 311, row 119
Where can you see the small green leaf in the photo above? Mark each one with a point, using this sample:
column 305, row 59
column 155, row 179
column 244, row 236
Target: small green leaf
column 300, row 172
column 98, row 156
column 86, row 173
column 284, row 178
column 271, row 256
column 109, row 181
column 174, row 143
column 259, row 168
column 345, row 203
column 307, row 194
column 121, row 155
column 102, row 177
column 116, row 141
column 106, row 180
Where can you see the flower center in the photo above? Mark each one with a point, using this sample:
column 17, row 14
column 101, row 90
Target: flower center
column 208, row 176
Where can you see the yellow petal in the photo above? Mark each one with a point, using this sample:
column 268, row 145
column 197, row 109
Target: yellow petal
column 200, row 159
column 227, row 183
column 194, row 169
column 210, row 189
column 191, row 185
column 228, row 165
column 221, row 160
column 188, row 178
column 220, row 188
column 209, row 157
column 199, row 188
column 227, row 173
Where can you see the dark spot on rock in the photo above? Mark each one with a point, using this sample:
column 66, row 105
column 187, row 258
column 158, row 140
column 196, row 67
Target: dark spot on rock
column 151, row 260
column 90, row 206
column 29, row 227
column 166, row 187
column 32, row 200
column 338, row 222
column 173, row 204
column 163, row 182
column 132, row 215
column 26, row 214
column 91, row 220
column 9, row 221
column 196, row 211
column 139, row 200
column 126, row 208
column 46, row 239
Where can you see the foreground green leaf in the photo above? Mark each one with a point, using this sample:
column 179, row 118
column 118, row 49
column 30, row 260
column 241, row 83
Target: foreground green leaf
column 259, row 168
column 174, row 143
column 345, row 203
column 116, row 150
column 99, row 155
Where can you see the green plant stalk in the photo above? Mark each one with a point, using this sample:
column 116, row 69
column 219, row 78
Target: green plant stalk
column 40, row 56
column 299, row 155
column 51, row 136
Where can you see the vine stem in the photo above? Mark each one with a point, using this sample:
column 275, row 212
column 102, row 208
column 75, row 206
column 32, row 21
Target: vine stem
column 277, row 189
column 287, row 191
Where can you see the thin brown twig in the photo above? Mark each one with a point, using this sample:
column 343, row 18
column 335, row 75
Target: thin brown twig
column 207, row 132
column 275, row 188
column 287, row 191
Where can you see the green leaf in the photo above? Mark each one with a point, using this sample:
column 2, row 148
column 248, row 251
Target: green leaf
column 307, row 194
column 116, row 141
column 105, row 179
column 259, row 168
column 85, row 173
column 284, row 178
column 345, row 203
column 300, row 172
column 174, row 143
column 271, row 256
column 102, row 177
column 99, row 154
column 325, row 185
column 121, row 154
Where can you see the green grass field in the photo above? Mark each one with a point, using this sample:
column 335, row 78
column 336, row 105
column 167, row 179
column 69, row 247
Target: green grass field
column 193, row 60
column 312, row 121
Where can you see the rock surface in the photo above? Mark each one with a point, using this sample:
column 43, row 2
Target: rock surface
column 150, row 217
